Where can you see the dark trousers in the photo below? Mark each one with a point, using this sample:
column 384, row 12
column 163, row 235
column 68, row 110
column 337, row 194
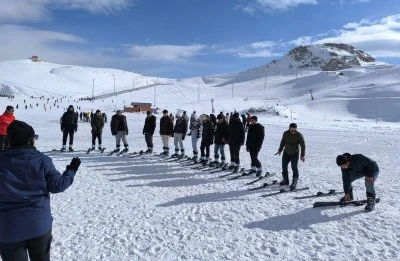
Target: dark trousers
column 149, row 140
column 67, row 132
column 4, row 142
column 38, row 249
column 293, row 159
column 254, row 158
column 234, row 151
column 98, row 136
column 205, row 146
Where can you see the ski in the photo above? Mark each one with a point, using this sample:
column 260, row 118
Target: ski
column 267, row 175
column 91, row 149
column 136, row 154
column 282, row 191
column 331, row 192
column 244, row 174
column 232, row 172
column 342, row 203
column 274, row 182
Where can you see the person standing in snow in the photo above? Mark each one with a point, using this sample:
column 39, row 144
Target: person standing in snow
column 180, row 130
column 291, row 140
column 354, row 167
column 27, row 177
column 236, row 137
column 220, row 139
column 69, row 125
column 194, row 127
column 148, row 130
column 97, row 125
column 207, row 138
column 119, row 129
column 255, row 139
column 166, row 130
column 5, row 120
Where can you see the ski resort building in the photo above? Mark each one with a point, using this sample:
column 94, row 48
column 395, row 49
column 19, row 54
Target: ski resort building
column 138, row 107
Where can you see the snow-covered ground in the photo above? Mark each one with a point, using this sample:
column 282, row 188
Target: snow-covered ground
column 144, row 208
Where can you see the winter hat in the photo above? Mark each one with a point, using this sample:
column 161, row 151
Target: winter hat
column 164, row 111
column 9, row 108
column 19, row 133
column 119, row 111
column 71, row 106
column 98, row 111
column 219, row 116
column 293, row 125
column 178, row 115
column 254, row 118
column 148, row 112
column 235, row 115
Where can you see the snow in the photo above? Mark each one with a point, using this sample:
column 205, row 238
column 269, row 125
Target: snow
column 145, row 208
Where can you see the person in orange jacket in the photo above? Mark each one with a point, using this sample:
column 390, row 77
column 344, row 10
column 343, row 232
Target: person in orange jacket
column 5, row 120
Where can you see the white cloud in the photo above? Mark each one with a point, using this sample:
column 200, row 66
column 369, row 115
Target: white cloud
column 261, row 49
column 304, row 40
column 264, row 44
column 165, row 52
column 273, row 5
column 36, row 10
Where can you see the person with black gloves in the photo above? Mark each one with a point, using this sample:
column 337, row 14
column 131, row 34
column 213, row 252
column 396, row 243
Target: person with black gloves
column 97, row 125
column 354, row 167
column 207, row 138
column 27, row 177
column 166, row 131
column 180, row 130
column 119, row 129
column 235, row 140
column 69, row 125
column 255, row 139
column 220, row 139
column 148, row 130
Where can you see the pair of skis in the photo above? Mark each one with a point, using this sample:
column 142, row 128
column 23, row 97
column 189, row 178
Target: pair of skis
column 91, row 149
column 342, row 203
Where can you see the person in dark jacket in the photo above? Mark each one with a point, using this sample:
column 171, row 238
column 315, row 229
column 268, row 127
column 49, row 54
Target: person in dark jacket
column 235, row 140
column 148, row 130
column 97, row 125
column 354, row 167
column 213, row 120
column 207, row 138
column 220, row 139
column 166, row 131
column 180, row 130
column 244, row 122
column 291, row 140
column 194, row 127
column 27, row 177
column 69, row 125
column 119, row 129
column 255, row 139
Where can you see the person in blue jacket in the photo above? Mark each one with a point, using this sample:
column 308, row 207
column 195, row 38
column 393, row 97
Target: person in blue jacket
column 27, row 177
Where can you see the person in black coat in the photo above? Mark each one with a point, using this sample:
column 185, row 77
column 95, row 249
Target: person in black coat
column 119, row 129
column 148, row 130
column 166, row 131
column 180, row 130
column 255, row 139
column 69, row 125
column 220, row 139
column 354, row 167
column 207, row 138
column 235, row 140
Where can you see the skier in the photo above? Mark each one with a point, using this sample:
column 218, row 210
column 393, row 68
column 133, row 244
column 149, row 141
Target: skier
column 291, row 140
column 5, row 120
column 166, row 130
column 255, row 139
column 235, row 140
column 220, row 139
column 119, row 129
column 97, row 124
column 27, row 177
column 194, row 127
column 180, row 130
column 207, row 138
column 148, row 130
column 355, row 167
column 69, row 125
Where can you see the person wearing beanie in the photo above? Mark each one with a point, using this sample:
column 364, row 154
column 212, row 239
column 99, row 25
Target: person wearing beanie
column 207, row 138
column 290, row 143
column 69, row 125
column 180, row 130
column 354, row 167
column 236, row 137
column 119, row 129
column 97, row 124
column 148, row 130
column 5, row 120
column 27, row 177
column 194, row 128
column 255, row 139
column 220, row 139
column 166, row 130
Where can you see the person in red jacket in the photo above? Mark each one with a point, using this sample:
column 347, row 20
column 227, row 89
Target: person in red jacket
column 5, row 120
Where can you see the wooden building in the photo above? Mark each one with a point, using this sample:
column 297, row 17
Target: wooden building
column 138, row 107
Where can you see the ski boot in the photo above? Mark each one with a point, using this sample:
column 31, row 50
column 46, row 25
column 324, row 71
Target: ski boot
column 293, row 186
column 285, row 180
column 63, row 149
column 116, row 150
column 370, row 202
column 70, row 149
column 259, row 173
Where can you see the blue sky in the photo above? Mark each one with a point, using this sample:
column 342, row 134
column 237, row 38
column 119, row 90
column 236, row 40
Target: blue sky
column 185, row 38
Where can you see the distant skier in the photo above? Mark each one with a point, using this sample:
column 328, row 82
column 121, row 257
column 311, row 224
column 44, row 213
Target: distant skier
column 236, row 137
column 354, row 167
column 69, row 125
column 97, row 125
column 166, row 130
column 148, row 130
column 5, row 120
column 291, row 140
column 119, row 129
column 255, row 139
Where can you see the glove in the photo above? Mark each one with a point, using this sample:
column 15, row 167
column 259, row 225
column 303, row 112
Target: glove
column 74, row 165
column 113, row 133
column 144, row 133
column 189, row 134
column 247, row 149
column 62, row 130
column 183, row 137
column 198, row 135
column 76, row 130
